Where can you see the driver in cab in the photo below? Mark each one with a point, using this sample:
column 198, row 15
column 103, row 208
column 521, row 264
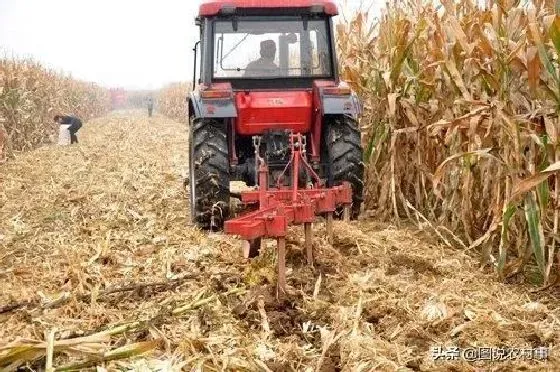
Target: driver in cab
column 264, row 66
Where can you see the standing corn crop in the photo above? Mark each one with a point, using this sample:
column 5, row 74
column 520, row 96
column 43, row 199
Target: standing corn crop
column 462, row 122
column 30, row 95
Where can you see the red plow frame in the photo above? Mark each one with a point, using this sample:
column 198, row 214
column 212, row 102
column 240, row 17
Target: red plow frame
column 282, row 206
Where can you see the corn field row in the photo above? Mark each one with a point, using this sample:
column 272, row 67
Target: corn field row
column 30, row 95
column 171, row 101
column 138, row 99
column 461, row 123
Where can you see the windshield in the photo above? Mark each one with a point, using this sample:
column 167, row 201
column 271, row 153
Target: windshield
column 271, row 49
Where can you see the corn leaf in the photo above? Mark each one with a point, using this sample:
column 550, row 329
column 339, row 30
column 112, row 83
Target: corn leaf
column 504, row 241
column 533, row 181
column 536, row 234
column 554, row 33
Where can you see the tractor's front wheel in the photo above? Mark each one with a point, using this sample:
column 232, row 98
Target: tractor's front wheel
column 209, row 173
column 344, row 158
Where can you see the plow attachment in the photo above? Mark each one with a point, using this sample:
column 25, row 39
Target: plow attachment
column 282, row 206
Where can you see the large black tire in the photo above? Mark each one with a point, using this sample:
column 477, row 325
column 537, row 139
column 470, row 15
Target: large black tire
column 209, row 173
column 343, row 156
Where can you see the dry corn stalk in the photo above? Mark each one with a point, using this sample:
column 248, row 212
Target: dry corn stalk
column 172, row 101
column 461, row 120
column 30, row 95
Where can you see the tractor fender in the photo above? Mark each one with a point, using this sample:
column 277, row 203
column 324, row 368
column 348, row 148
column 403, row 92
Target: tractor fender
column 211, row 108
column 194, row 109
column 341, row 105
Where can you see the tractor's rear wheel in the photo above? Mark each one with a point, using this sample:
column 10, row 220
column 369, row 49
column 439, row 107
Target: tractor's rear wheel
column 209, row 173
column 344, row 158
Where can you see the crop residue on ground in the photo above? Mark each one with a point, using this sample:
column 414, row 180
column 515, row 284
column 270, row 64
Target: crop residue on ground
column 97, row 252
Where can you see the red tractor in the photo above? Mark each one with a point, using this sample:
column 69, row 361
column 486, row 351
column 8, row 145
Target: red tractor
column 266, row 86
column 118, row 98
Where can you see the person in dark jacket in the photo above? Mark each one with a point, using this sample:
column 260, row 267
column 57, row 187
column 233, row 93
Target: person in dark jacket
column 150, row 106
column 265, row 65
column 75, row 125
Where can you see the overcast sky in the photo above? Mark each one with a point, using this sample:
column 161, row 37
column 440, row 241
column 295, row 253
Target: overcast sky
column 135, row 44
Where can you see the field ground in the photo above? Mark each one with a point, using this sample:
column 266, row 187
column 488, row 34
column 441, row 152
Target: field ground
column 78, row 223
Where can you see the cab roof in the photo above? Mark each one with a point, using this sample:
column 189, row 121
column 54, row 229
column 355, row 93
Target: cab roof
column 210, row 8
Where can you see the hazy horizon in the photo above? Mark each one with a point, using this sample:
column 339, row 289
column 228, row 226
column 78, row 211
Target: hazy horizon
column 131, row 44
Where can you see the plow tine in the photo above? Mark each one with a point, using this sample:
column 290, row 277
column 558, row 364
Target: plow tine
column 309, row 242
column 346, row 213
column 330, row 227
column 281, row 267
column 245, row 248
column 251, row 248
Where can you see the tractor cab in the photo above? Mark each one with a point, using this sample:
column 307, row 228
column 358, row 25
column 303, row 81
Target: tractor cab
column 265, row 72
column 267, row 44
column 288, row 51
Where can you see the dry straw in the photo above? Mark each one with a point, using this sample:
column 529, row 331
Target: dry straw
column 97, row 250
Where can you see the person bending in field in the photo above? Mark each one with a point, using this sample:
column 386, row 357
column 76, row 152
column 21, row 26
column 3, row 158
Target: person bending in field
column 75, row 125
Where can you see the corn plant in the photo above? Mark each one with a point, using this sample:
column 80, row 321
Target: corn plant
column 172, row 101
column 461, row 122
column 31, row 95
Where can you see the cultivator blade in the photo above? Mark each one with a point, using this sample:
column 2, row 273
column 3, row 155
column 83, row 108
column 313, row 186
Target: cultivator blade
column 281, row 206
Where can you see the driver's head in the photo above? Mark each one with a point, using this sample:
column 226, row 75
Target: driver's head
column 268, row 49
